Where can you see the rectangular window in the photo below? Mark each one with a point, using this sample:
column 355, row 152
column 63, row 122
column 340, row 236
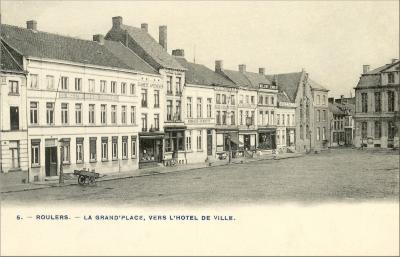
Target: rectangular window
column 223, row 99
column 267, row 100
column 104, row 148
column 318, row 99
column 224, row 118
column 133, row 147
column 13, row 86
column 209, row 107
column 34, row 81
column 133, row 114
column 113, row 114
column 144, row 122
column 66, row 153
column 113, row 87
column 124, row 148
column 157, row 122
column 144, row 97
column 301, row 132
column 241, row 117
column 78, row 113
column 103, row 86
column 78, row 84
column 64, row 83
column 123, row 88
column 132, row 89
column 79, row 150
column 283, row 119
column 218, row 118
column 14, row 153
column 318, row 133
column 123, row 114
column 364, row 129
column 50, row 113
column 103, row 114
column 323, row 133
column 390, row 95
column 232, row 118
column 64, row 113
column 260, row 118
column 247, row 99
column 91, row 85
column 288, row 120
column 272, row 118
column 364, row 102
column 169, row 85
column 272, row 100
column 267, row 117
column 50, row 82
column 188, row 140
column 233, row 102
column 35, row 153
column 391, row 130
column 92, row 149
column 240, row 99
column 318, row 115
column 14, row 118
column 378, row 102
column 218, row 99
column 156, row 98
column 391, row 78
column 189, row 107
column 378, row 129
column 91, row 114
column 324, row 100
column 169, row 110
column 178, row 89
column 178, row 110
column 293, row 120
column 252, row 99
column 199, row 140
column 278, row 119
column 324, row 115
column 253, row 116
column 199, row 108
column 114, row 148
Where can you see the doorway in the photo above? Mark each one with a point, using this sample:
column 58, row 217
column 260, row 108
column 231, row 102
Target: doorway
column 51, row 161
column 247, row 143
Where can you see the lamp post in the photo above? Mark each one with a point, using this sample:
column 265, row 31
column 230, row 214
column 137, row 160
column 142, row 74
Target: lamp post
column 229, row 148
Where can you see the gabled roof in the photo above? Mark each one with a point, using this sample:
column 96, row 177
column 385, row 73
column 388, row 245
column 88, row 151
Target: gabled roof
column 201, row 75
column 382, row 68
column 288, row 82
column 334, row 108
column 145, row 46
column 366, row 81
column 239, row 78
column 127, row 56
column 256, row 79
column 9, row 62
column 52, row 46
column 317, row 86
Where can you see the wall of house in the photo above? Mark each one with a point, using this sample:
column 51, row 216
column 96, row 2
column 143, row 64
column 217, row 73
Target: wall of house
column 322, row 123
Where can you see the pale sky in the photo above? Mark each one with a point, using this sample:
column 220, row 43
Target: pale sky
column 330, row 40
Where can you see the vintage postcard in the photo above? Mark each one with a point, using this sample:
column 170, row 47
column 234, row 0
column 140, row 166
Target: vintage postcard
column 199, row 128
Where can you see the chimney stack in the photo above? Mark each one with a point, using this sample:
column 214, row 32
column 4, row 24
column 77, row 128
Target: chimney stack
column 219, row 66
column 99, row 39
column 162, row 37
column 394, row 60
column 32, row 25
column 117, row 22
column 261, row 71
column 178, row 53
column 145, row 27
column 366, row 68
column 242, row 68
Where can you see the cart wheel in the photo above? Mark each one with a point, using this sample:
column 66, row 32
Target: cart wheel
column 92, row 180
column 81, row 180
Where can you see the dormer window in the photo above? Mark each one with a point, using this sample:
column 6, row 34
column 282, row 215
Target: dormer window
column 391, row 78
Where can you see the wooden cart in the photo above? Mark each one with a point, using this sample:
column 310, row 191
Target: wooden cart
column 86, row 177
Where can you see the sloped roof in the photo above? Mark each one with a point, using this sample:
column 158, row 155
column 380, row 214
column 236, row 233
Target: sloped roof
column 256, row 79
column 127, row 56
column 147, row 46
column 282, row 97
column 367, row 81
column 315, row 85
column 52, row 46
column 8, row 62
column 382, row 68
column 333, row 108
column 201, row 75
column 341, row 109
column 288, row 82
column 238, row 78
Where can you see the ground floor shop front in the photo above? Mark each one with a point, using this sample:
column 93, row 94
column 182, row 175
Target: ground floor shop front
column 150, row 149
column 377, row 133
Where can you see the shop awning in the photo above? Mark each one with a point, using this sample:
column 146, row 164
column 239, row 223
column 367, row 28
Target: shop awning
column 266, row 129
column 151, row 135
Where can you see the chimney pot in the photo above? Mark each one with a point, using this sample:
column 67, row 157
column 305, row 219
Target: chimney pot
column 32, row 24
column 366, row 68
column 219, row 66
column 162, row 36
column 99, row 39
column 261, row 71
column 242, row 68
column 394, row 60
column 178, row 52
column 145, row 27
column 117, row 22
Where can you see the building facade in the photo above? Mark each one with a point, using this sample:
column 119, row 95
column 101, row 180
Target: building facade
column 285, row 122
column 321, row 116
column 377, row 107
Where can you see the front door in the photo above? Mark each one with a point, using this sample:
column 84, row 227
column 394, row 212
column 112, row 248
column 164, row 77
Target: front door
column 209, row 142
column 51, row 161
column 247, row 143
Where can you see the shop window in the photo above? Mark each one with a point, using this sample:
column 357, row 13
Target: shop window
column 114, row 148
column 124, row 147
column 133, row 147
column 92, row 149
column 79, row 150
column 104, row 149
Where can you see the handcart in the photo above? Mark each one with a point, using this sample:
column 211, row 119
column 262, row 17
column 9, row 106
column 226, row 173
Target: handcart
column 86, row 177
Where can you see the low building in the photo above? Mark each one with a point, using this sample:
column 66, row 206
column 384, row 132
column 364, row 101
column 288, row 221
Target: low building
column 13, row 123
column 341, row 123
column 377, row 107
